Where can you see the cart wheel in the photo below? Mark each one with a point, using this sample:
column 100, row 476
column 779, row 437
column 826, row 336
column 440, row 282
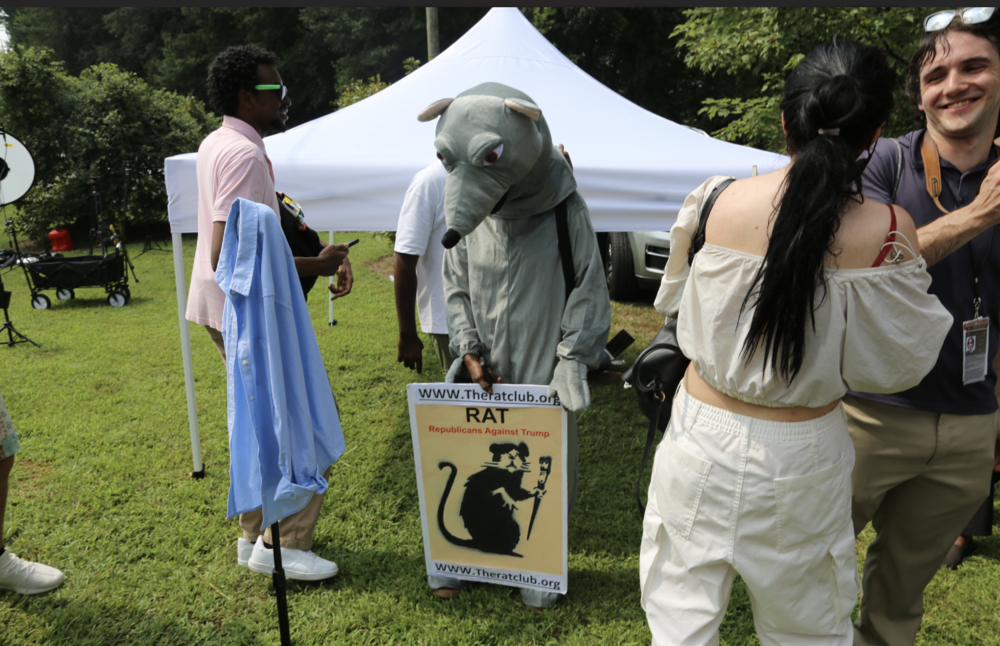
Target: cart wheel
column 65, row 294
column 41, row 302
column 128, row 293
column 116, row 299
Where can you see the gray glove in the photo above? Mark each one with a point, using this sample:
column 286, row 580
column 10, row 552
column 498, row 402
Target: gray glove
column 569, row 383
column 456, row 365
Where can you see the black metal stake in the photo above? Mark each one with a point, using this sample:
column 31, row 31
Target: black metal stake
column 278, row 579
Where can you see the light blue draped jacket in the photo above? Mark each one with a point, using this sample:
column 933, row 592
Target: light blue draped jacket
column 284, row 430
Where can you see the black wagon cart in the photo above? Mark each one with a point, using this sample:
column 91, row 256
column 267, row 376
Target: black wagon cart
column 65, row 275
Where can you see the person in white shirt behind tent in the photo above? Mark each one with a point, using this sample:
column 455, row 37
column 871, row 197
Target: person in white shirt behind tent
column 417, row 275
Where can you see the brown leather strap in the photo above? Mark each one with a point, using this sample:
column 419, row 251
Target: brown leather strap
column 932, row 169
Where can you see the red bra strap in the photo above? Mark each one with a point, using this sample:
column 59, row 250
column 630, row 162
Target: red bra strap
column 889, row 238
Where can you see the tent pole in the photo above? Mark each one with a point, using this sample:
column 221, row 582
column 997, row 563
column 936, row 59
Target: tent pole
column 179, row 279
column 333, row 321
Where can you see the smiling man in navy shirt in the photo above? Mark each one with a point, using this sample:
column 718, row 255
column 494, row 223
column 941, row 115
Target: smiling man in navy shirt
column 925, row 455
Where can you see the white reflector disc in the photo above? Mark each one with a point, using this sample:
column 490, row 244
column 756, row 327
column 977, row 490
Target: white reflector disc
column 16, row 162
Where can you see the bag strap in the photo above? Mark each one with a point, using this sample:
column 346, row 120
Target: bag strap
column 660, row 399
column 932, row 169
column 654, row 420
column 565, row 249
column 699, row 237
column 899, row 170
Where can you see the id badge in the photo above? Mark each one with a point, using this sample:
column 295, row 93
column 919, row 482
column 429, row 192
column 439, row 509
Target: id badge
column 974, row 347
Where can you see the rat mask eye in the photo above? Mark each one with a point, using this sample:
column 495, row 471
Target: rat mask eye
column 441, row 157
column 493, row 156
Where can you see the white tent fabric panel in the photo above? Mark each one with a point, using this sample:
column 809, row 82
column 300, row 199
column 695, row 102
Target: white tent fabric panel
column 349, row 170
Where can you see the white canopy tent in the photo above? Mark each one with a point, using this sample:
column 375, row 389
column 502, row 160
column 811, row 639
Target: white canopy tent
column 350, row 169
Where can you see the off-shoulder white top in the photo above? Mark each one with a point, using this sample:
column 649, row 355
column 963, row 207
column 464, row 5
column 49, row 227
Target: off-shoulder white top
column 877, row 330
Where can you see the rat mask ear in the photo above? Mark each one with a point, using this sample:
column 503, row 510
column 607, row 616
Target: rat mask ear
column 527, row 108
column 434, row 110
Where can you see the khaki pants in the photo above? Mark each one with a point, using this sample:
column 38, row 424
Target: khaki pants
column 440, row 344
column 296, row 530
column 918, row 477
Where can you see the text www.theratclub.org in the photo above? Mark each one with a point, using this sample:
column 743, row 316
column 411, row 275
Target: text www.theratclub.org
column 480, row 395
column 493, row 575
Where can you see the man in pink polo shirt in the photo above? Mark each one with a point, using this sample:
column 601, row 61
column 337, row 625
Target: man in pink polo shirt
column 244, row 85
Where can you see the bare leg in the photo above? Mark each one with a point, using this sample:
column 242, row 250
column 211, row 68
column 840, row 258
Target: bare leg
column 5, row 466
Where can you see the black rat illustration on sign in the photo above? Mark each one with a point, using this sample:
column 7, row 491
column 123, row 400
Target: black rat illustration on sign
column 488, row 503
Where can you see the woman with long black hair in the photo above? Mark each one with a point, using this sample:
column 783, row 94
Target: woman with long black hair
column 802, row 290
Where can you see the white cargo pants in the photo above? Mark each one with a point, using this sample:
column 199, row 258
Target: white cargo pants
column 770, row 501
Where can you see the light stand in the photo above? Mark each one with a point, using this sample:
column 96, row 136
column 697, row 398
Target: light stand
column 151, row 246
column 105, row 232
column 13, row 336
column 17, row 175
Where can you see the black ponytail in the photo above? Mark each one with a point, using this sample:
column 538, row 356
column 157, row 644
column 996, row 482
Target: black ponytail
column 843, row 89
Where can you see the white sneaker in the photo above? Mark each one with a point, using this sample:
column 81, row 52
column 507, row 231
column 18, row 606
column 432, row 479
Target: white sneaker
column 301, row 565
column 26, row 577
column 244, row 549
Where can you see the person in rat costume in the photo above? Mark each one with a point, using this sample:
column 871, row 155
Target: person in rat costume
column 509, row 316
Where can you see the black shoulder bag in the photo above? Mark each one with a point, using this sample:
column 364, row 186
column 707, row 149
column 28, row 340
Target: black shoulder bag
column 658, row 370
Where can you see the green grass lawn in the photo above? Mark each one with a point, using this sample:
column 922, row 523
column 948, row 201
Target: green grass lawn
column 99, row 490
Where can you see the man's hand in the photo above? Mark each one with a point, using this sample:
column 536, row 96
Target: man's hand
column 484, row 379
column 411, row 351
column 330, row 259
column 989, row 193
column 945, row 235
column 345, row 280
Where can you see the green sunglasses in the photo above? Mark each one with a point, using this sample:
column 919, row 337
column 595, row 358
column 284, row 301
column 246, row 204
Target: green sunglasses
column 274, row 86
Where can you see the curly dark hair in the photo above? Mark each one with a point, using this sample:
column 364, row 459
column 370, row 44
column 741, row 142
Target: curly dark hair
column 927, row 50
column 233, row 70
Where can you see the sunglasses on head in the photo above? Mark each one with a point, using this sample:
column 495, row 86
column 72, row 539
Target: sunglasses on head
column 968, row 15
column 274, row 86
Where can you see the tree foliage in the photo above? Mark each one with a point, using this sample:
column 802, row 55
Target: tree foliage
column 756, row 48
column 628, row 50
column 90, row 125
column 357, row 90
column 322, row 49
column 325, row 50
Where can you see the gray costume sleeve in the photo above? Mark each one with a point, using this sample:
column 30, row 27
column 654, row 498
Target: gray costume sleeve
column 587, row 317
column 461, row 323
